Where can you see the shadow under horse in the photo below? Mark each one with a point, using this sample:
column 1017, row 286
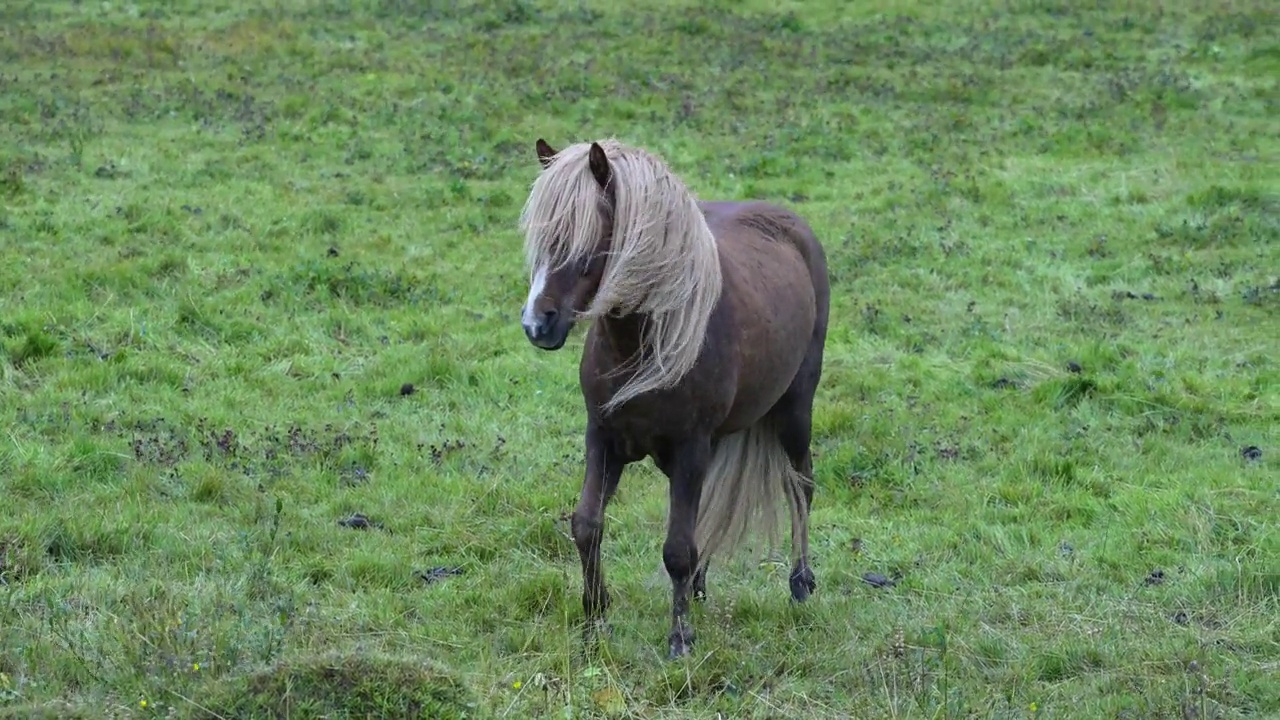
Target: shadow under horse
column 708, row 324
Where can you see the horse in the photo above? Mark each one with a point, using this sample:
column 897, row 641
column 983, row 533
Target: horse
column 708, row 322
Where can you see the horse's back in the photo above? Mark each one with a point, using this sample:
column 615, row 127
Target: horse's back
column 762, row 223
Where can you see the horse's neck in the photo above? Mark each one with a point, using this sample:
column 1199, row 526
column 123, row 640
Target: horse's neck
column 623, row 334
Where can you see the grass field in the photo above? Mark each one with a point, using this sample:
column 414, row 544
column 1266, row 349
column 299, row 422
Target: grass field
column 236, row 236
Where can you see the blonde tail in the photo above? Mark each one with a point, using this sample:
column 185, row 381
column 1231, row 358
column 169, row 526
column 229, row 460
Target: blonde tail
column 749, row 478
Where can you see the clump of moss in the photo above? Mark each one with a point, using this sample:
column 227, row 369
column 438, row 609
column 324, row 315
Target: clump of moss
column 345, row 686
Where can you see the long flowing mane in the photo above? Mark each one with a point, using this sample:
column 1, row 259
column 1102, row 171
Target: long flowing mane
column 663, row 262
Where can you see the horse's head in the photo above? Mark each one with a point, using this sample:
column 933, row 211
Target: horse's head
column 571, row 217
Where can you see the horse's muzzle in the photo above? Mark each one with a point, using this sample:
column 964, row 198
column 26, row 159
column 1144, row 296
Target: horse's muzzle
column 549, row 331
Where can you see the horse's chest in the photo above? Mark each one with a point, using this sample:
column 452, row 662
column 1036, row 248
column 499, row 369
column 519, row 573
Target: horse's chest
column 659, row 413
column 647, row 424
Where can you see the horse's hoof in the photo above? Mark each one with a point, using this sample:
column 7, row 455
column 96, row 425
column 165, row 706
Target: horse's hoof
column 602, row 628
column 596, row 629
column 680, row 645
column 699, row 590
column 802, row 585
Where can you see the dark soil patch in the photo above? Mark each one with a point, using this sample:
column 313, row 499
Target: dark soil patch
column 876, row 580
column 1130, row 295
column 359, row 521
column 436, row 574
column 265, row 452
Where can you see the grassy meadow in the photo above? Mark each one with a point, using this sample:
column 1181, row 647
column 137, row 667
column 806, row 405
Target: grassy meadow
column 275, row 445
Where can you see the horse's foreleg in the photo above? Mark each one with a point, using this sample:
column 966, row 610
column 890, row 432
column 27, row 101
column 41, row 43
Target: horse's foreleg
column 603, row 470
column 685, row 467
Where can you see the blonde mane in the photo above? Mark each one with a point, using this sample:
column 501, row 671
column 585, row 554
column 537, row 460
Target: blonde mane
column 662, row 261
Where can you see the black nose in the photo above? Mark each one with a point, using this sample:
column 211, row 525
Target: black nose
column 549, row 319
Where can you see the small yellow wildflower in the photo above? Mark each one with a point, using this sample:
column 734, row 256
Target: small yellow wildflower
column 196, row 667
column 1034, row 707
column 142, row 703
column 517, row 685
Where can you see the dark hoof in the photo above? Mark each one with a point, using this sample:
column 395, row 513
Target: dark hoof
column 802, row 584
column 680, row 644
column 593, row 630
column 600, row 627
column 699, row 591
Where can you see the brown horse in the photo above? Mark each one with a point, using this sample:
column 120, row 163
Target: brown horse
column 704, row 353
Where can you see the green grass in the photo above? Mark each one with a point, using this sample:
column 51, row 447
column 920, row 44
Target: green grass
column 232, row 234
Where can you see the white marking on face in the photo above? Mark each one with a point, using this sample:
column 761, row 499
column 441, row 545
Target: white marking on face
column 538, row 284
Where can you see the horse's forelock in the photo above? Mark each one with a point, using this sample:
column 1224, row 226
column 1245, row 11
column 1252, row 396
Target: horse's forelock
column 663, row 260
column 561, row 218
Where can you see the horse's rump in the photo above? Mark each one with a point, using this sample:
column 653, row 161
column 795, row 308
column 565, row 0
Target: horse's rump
column 769, row 265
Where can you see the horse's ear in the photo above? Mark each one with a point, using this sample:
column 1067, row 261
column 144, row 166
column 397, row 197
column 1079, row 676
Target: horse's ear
column 545, row 153
column 599, row 165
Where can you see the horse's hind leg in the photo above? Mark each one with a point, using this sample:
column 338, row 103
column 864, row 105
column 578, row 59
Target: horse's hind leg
column 802, row 580
column 699, row 586
column 793, row 416
column 700, row 583
column 603, row 470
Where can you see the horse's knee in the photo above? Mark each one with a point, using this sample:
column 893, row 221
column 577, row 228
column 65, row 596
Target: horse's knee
column 680, row 557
